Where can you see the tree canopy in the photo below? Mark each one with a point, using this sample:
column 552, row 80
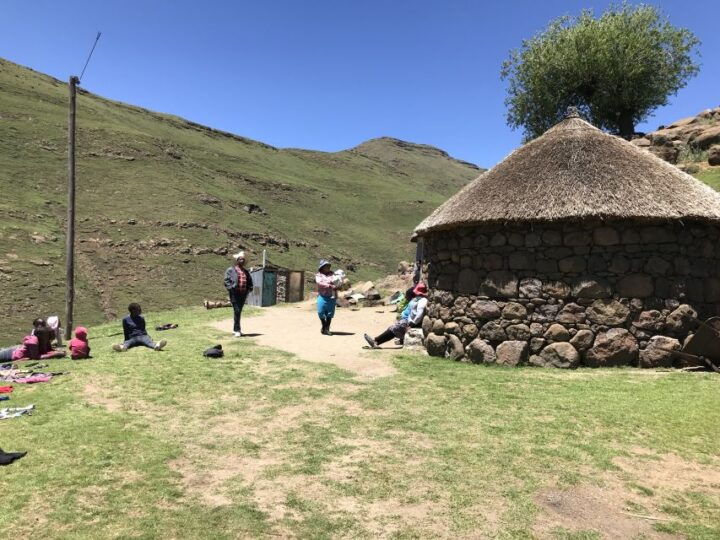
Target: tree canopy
column 616, row 69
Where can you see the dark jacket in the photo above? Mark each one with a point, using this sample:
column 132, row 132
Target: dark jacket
column 231, row 279
column 134, row 326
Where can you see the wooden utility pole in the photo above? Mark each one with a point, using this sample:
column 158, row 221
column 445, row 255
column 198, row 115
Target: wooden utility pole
column 70, row 235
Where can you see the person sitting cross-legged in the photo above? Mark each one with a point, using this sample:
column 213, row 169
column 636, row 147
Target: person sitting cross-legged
column 411, row 317
column 135, row 334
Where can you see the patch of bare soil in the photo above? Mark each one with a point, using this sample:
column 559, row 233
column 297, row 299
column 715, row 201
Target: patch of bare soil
column 98, row 395
column 610, row 509
column 584, row 508
column 669, row 472
column 295, row 328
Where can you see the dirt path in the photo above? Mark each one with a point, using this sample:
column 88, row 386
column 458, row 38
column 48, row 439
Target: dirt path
column 295, row 328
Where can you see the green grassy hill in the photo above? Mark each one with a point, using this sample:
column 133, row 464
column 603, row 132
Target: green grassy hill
column 162, row 201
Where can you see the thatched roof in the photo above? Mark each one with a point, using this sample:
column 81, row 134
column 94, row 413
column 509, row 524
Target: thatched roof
column 575, row 171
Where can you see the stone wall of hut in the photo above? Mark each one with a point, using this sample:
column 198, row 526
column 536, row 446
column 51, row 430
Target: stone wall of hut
column 565, row 295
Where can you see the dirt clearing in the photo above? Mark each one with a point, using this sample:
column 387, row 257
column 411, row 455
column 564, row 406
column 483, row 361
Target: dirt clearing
column 295, row 328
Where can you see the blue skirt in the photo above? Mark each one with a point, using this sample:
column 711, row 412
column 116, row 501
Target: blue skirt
column 326, row 307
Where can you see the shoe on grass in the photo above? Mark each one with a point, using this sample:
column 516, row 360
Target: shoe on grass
column 371, row 342
column 118, row 347
column 159, row 346
column 237, row 334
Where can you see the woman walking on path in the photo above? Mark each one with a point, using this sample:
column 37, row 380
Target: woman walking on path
column 327, row 295
column 239, row 283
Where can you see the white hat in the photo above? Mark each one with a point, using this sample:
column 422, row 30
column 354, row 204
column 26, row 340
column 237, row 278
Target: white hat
column 239, row 255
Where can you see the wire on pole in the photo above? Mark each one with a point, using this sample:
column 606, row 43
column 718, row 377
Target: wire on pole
column 97, row 38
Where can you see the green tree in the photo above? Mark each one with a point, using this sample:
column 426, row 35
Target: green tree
column 616, row 69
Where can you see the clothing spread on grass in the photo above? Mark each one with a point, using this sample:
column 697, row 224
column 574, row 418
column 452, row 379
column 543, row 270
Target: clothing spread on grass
column 6, row 458
column 6, row 389
column 79, row 347
column 14, row 412
column 27, row 376
column 215, row 351
column 166, row 326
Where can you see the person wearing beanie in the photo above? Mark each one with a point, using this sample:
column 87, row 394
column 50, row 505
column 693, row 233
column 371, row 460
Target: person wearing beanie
column 411, row 317
column 79, row 347
column 238, row 283
column 327, row 296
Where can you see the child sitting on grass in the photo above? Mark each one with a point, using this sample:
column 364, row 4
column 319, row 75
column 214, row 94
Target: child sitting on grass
column 135, row 334
column 79, row 347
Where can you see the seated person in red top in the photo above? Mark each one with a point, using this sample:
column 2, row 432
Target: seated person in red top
column 79, row 347
column 135, row 334
column 27, row 351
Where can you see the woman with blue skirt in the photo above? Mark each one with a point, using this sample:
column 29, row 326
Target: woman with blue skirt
column 327, row 295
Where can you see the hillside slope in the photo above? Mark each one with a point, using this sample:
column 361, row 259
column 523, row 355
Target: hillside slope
column 162, row 201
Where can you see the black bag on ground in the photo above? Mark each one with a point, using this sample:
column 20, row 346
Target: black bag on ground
column 216, row 351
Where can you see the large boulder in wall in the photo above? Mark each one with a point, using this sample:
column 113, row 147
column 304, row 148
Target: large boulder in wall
column 480, row 351
column 560, row 355
column 435, row 345
column 616, row 347
column 659, row 352
column 512, row 353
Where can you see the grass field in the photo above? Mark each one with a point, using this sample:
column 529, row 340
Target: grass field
column 262, row 444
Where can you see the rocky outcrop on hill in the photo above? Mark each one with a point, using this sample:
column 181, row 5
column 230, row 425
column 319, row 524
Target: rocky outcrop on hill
column 687, row 139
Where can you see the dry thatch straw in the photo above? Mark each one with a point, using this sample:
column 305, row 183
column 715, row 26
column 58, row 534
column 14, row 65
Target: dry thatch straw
column 575, row 171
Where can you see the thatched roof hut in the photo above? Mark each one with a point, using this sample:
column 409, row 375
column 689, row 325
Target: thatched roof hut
column 578, row 248
column 573, row 171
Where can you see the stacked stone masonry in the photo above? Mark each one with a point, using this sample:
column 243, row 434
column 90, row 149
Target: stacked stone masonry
column 567, row 295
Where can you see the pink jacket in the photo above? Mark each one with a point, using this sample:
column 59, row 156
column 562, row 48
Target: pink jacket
column 28, row 350
column 324, row 284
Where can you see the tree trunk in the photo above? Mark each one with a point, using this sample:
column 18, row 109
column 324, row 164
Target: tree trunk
column 626, row 127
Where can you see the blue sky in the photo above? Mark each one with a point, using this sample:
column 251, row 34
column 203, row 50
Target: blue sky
column 320, row 74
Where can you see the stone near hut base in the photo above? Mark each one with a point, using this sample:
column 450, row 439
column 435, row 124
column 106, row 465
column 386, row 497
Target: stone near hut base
column 536, row 329
column 560, row 355
column 469, row 332
column 557, row 332
column 427, row 325
column 499, row 284
column 372, row 295
column 583, row 340
column 513, row 310
column 616, row 347
column 435, row 345
column 512, row 353
column 571, row 314
column 492, row 331
column 608, row 312
column 591, row 288
column 557, row 289
column 413, row 340
column 651, row 320
column 454, row 348
column 486, row 309
column 452, row 328
column 530, row 288
column 659, row 352
column 681, row 320
column 438, row 327
column 518, row 332
column 480, row 351
column 536, row 344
